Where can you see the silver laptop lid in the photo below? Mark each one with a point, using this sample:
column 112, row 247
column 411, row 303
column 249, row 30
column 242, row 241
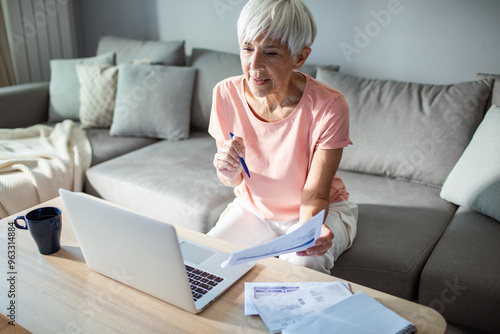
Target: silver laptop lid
column 149, row 261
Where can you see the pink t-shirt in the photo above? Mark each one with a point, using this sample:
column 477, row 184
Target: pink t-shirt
column 279, row 154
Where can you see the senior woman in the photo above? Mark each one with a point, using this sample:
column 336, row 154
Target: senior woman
column 290, row 129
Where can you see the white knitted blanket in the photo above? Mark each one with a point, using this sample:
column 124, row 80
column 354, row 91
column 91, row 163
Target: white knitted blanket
column 36, row 161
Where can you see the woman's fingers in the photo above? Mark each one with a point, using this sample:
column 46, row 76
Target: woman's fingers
column 322, row 244
column 227, row 158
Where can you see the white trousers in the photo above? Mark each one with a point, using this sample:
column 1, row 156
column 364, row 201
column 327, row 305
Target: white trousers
column 241, row 225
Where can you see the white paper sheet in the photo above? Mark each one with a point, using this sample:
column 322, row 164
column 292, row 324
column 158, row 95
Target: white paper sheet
column 358, row 314
column 299, row 240
column 272, row 289
column 280, row 312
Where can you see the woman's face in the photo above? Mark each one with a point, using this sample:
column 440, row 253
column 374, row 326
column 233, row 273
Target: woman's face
column 267, row 67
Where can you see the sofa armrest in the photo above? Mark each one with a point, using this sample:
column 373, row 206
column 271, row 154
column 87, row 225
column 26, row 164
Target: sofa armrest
column 24, row 105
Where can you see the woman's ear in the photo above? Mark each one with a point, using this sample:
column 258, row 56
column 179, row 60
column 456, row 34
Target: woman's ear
column 302, row 57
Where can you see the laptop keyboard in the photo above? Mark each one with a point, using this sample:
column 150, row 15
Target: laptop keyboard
column 201, row 281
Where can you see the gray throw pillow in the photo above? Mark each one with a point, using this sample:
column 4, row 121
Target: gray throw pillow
column 408, row 130
column 64, row 88
column 153, row 101
column 159, row 52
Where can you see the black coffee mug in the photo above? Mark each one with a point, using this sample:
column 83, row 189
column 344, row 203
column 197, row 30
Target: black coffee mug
column 45, row 226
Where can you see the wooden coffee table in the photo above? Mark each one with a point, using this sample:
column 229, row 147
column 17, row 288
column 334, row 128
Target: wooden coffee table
column 58, row 293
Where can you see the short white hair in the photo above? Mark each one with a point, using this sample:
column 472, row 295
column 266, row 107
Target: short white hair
column 287, row 21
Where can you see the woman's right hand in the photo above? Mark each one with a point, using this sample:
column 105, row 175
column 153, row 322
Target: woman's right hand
column 227, row 160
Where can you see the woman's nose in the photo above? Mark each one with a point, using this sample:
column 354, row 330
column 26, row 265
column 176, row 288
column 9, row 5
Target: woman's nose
column 256, row 61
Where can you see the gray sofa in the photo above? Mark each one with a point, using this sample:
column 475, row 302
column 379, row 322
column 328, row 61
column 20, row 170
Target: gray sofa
column 407, row 139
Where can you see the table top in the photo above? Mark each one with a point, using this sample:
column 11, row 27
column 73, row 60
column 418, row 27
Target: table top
column 58, row 293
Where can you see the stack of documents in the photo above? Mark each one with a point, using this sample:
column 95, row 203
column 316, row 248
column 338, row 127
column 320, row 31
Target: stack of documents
column 320, row 307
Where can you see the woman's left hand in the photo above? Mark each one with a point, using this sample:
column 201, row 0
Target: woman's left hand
column 322, row 244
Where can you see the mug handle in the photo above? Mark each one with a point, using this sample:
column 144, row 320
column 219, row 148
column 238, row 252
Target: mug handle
column 22, row 227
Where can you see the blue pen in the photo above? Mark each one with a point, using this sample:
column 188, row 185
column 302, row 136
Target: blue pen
column 241, row 159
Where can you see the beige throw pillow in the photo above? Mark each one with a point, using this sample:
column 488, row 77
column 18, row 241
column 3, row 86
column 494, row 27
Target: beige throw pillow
column 97, row 94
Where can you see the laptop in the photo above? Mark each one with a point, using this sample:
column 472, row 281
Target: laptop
column 146, row 253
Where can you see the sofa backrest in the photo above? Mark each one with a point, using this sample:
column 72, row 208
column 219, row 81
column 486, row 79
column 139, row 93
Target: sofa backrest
column 408, row 130
column 157, row 52
column 211, row 67
column 495, row 92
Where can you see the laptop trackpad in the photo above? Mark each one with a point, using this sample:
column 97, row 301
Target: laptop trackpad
column 193, row 253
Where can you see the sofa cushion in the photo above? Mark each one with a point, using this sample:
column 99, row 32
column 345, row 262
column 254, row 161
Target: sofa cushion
column 97, row 94
column 172, row 181
column 495, row 93
column 158, row 52
column 106, row 147
column 408, row 130
column 474, row 182
column 399, row 224
column 64, row 86
column 153, row 101
column 461, row 277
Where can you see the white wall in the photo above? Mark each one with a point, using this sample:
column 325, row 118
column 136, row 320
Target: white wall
column 134, row 19
column 431, row 41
